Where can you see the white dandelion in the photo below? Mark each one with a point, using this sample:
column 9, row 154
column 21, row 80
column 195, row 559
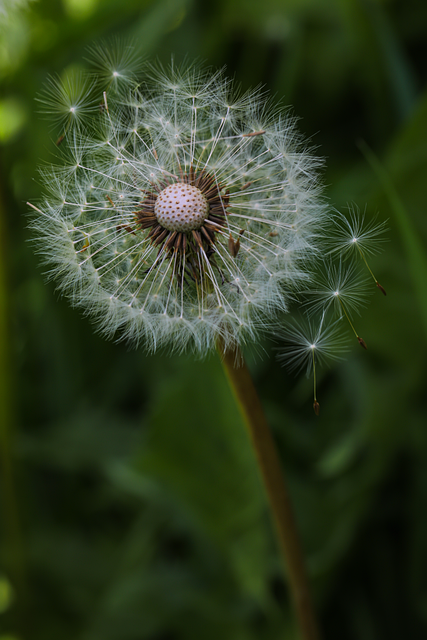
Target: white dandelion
column 182, row 212
column 186, row 215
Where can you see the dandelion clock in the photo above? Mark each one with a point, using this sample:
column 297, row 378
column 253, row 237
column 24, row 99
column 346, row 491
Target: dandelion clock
column 185, row 215
column 182, row 213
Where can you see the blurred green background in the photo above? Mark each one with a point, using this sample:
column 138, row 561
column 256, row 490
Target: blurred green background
column 131, row 508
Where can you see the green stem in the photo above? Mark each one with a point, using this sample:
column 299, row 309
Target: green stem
column 11, row 531
column 270, row 468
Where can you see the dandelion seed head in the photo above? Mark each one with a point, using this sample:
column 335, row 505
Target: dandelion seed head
column 182, row 212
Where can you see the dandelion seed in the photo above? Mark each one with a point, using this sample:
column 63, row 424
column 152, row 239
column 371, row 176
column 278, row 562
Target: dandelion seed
column 308, row 343
column 68, row 101
column 115, row 64
column 352, row 234
column 340, row 288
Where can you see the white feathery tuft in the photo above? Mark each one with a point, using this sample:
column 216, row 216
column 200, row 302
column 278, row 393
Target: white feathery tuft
column 128, row 146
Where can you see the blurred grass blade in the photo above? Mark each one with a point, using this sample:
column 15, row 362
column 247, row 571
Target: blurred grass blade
column 10, row 531
column 162, row 18
column 417, row 261
column 397, row 69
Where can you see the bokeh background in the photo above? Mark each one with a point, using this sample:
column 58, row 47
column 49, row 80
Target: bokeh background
column 131, row 508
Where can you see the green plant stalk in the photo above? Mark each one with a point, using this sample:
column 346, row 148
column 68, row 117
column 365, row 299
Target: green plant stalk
column 417, row 261
column 10, row 531
column 270, row 468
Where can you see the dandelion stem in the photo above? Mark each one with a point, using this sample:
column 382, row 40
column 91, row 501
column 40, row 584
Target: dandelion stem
column 270, row 468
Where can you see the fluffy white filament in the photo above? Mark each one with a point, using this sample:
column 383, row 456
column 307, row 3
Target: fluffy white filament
column 131, row 138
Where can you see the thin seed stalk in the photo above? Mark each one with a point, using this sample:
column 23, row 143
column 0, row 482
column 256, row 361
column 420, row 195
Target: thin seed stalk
column 274, row 482
column 364, row 260
column 348, row 317
column 316, row 405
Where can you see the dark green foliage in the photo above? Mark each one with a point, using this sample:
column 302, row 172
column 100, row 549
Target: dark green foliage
column 133, row 509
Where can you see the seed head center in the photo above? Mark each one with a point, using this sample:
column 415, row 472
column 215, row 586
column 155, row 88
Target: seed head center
column 181, row 207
